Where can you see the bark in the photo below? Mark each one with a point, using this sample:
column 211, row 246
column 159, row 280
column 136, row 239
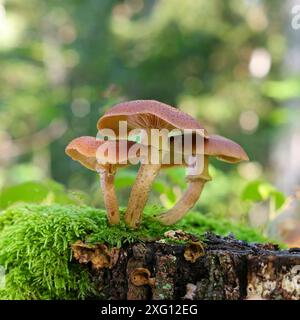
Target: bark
column 228, row 270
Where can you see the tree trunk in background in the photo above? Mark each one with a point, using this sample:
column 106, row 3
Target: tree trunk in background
column 286, row 155
column 228, row 270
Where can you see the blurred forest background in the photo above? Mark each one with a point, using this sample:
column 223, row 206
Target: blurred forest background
column 234, row 65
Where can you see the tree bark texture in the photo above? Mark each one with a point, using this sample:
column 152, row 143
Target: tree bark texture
column 228, row 269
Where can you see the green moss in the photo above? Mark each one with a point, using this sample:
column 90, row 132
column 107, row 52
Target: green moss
column 35, row 251
column 198, row 224
column 35, row 246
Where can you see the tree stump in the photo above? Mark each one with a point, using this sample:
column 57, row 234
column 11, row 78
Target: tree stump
column 227, row 269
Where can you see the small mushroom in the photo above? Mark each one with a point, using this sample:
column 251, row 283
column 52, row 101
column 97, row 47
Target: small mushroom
column 86, row 151
column 101, row 258
column 193, row 251
column 98, row 254
column 145, row 115
column 217, row 146
column 141, row 277
column 82, row 252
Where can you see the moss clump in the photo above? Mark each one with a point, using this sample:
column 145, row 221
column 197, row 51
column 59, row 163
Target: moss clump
column 36, row 255
column 198, row 224
column 35, row 246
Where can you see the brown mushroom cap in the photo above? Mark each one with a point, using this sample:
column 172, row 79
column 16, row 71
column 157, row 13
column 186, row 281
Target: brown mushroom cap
column 141, row 276
column 147, row 114
column 193, row 251
column 99, row 255
column 224, row 149
column 216, row 146
column 85, row 150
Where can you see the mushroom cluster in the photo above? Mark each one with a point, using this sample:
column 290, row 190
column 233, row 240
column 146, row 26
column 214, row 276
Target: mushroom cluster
column 150, row 119
column 86, row 151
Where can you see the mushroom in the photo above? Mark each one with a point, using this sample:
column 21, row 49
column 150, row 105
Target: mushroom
column 145, row 115
column 193, row 251
column 82, row 252
column 86, row 151
column 141, row 277
column 99, row 255
column 217, row 146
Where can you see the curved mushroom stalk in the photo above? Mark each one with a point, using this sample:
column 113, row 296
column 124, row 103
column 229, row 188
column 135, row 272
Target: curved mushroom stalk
column 187, row 202
column 197, row 182
column 109, row 194
column 140, row 194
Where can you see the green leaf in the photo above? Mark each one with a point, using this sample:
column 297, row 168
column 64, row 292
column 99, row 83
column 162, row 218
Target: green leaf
column 265, row 190
column 279, row 199
column 36, row 192
column 177, row 176
column 251, row 191
column 33, row 192
column 259, row 190
column 124, row 179
column 159, row 186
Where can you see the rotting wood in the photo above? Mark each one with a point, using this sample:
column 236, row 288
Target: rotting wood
column 229, row 270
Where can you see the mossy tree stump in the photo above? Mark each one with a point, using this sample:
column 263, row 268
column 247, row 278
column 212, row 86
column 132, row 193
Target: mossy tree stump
column 228, row 269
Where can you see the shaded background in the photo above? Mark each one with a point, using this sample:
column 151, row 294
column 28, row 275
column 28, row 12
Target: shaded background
column 234, row 65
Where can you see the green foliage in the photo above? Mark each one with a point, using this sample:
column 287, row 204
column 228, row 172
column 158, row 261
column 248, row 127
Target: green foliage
column 56, row 81
column 258, row 190
column 35, row 245
column 192, row 54
column 163, row 185
column 38, row 192
column 282, row 90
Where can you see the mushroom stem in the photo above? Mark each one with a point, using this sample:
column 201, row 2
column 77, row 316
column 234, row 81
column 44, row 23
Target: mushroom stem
column 197, row 177
column 187, row 201
column 109, row 195
column 140, row 193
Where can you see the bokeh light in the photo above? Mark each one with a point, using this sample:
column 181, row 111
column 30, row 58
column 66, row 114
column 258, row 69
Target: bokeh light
column 260, row 63
column 80, row 107
column 249, row 121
